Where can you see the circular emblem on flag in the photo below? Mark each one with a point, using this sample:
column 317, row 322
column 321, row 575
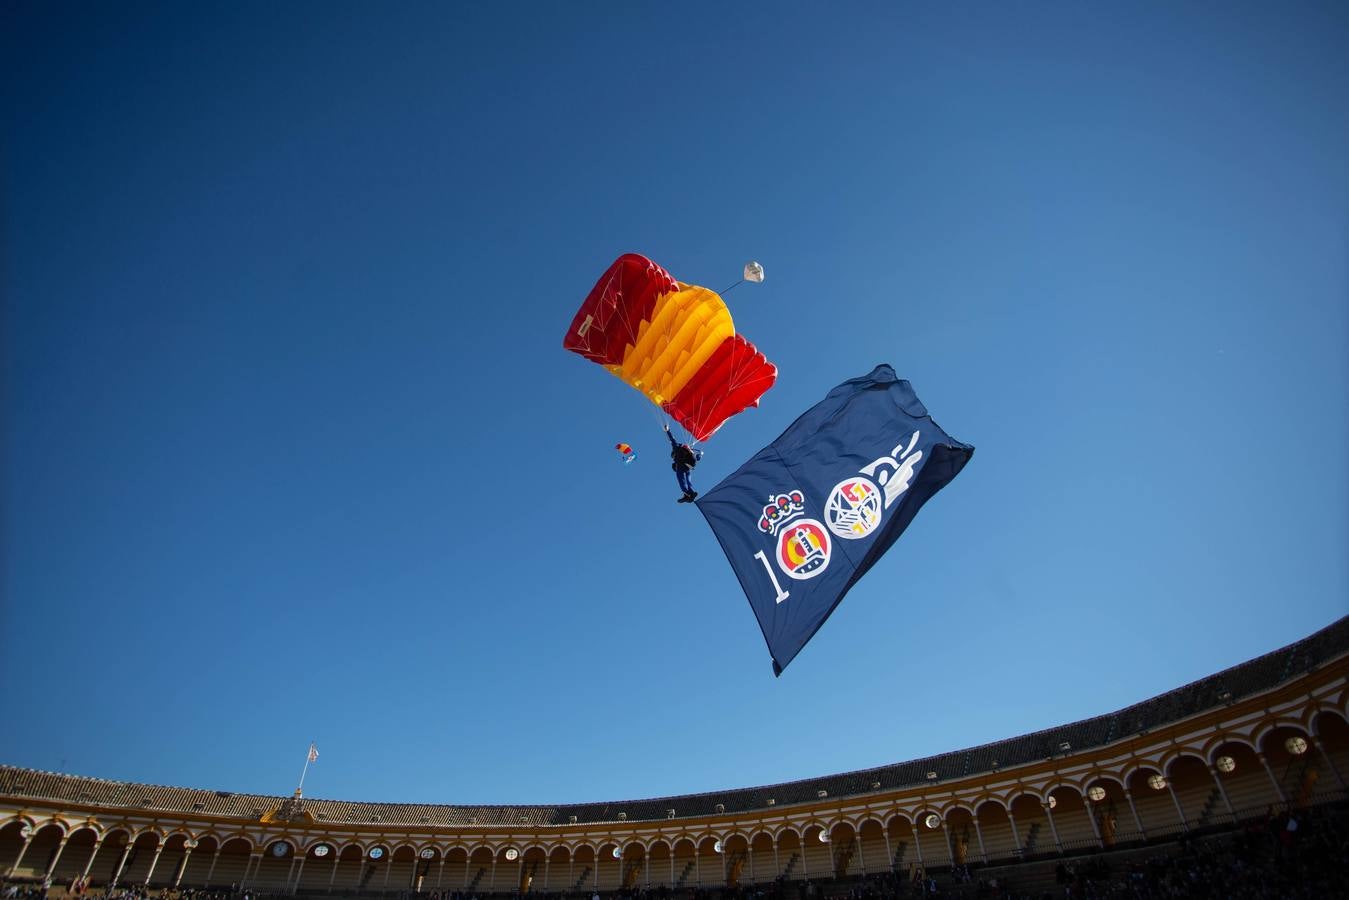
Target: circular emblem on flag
column 803, row 549
column 854, row 507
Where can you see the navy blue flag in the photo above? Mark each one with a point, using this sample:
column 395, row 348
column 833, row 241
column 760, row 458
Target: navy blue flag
column 809, row 514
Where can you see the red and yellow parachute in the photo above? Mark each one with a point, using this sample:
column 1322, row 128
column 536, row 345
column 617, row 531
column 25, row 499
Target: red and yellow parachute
column 674, row 342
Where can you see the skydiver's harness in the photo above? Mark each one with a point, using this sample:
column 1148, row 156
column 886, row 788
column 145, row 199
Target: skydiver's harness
column 684, row 458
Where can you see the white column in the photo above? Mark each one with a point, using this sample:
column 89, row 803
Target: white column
column 493, row 883
column 60, row 848
column 917, row 842
column 120, row 863
column 1217, row 779
column 388, row 868
column 154, row 861
column 440, row 873
column 1278, row 788
column 978, row 832
column 250, row 868
column 27, row 834
column 1049, row 814
column 672, row 884
column 1016, row 835
column 1329, row 762
column 1128, row 795
column 214, row 859
column 861, row 855
column 1091, row 817
column 889, row 853
column 182, row 866
column 332, row 879
column 1176, row 800
column 290, row 871
column 299, row 873
column 98, row 842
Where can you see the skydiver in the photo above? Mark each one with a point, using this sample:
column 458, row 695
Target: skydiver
column 684, row 458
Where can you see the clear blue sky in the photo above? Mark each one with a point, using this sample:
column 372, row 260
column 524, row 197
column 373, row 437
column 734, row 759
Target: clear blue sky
column 292, row 451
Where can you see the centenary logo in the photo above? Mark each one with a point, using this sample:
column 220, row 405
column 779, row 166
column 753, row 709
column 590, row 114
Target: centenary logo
column 853, row 509
column 803, row 547
column 895, row 472
column 803, row 550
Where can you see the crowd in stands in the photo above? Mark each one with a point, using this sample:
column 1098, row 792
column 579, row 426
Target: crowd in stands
column 1293, row 855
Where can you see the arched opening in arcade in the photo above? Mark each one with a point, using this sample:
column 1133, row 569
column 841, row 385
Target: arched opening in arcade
column 843, row 849
column 139, row 860
column 1195, row 790
column 872, row 847
column 998, row 840
column 659, row 864
column 762, row 865
column 1152, row 798
column 1296, row 763
column 930, row 840
column 1330, row 735
column 1108, row 809
column 685, row 863
column 1237, row 770
column 1030, row 821
column 1066, row 810
column 634, row 863
column 962, row 837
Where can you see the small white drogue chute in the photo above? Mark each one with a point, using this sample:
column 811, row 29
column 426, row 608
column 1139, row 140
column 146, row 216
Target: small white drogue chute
column 754, row 272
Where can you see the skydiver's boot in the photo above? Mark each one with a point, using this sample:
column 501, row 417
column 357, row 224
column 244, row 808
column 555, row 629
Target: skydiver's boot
column 690, row 496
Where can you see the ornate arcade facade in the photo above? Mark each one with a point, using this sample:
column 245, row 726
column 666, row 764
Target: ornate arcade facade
column 1272, row 732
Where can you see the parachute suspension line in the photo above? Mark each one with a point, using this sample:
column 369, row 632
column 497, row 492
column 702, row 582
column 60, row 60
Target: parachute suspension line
column 732, row 287
column 658, row 415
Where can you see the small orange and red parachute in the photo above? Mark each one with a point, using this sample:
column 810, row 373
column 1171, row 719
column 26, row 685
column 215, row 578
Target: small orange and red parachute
column 625, row 451
column 672, row 341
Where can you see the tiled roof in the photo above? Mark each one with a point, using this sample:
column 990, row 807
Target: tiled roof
column 1259, row 674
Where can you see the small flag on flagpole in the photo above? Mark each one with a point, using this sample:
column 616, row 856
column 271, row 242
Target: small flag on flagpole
column 311, row 756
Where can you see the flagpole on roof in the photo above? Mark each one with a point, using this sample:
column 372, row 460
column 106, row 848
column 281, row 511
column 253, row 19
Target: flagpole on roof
column 312, row 755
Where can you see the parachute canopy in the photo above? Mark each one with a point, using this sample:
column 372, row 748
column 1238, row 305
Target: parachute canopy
column 625, row 451
column 674, row 342
column 754, row 272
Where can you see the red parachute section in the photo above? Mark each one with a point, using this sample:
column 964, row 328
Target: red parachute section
column 731, row 381
column 609, row 320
